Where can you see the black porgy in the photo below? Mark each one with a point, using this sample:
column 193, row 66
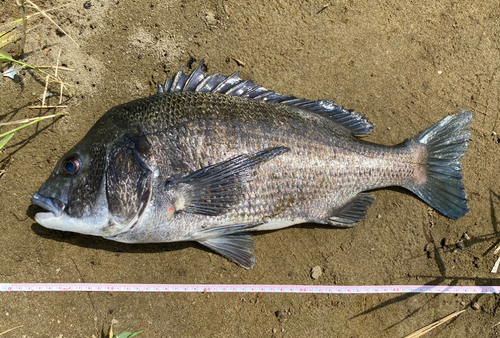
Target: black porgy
column 210, row 158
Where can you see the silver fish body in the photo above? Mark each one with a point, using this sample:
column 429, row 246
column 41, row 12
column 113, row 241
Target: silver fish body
column 211, row 158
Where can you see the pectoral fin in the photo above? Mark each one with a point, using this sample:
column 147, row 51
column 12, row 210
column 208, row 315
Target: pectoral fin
column 215, row 189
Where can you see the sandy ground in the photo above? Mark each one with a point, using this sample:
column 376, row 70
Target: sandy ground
column 404, row 64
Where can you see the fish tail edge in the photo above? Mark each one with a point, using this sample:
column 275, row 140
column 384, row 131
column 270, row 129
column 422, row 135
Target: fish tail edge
column 445, row 143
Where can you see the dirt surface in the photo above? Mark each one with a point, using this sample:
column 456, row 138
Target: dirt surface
column 404, row 64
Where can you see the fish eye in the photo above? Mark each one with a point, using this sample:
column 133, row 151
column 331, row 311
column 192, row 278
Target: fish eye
column 71, row 165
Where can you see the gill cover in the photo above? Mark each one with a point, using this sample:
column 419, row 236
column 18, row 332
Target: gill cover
column 128, row 184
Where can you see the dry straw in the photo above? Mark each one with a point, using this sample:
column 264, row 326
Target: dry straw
column 430, row 327
column 7, row 36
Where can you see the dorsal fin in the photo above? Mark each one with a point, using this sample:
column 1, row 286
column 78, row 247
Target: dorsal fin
column 200, row 81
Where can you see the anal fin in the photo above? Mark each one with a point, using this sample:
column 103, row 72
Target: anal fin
column 353, row 212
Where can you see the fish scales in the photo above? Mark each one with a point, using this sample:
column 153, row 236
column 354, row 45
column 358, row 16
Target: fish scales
column 213, row 163
column 222, row 129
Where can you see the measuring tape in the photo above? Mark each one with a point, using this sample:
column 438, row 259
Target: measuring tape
column 245, row 288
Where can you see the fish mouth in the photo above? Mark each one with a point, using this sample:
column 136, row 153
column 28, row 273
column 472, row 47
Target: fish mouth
column 55, row 206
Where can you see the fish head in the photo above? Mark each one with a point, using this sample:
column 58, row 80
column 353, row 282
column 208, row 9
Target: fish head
column 74, row 195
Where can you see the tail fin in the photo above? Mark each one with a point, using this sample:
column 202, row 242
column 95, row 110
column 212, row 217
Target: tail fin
column 446, row 142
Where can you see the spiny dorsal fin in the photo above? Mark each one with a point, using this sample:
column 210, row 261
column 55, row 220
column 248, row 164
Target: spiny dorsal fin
column 200, row 81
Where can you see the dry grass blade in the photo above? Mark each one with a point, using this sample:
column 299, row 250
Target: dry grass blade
column 47, row 10
column 46, row 107
column 9, row 31
column 5, row 137
column 239, row 62
column 55, row 74
column 325, row 6
column 45, row 89
column 496, row 266
column 9, row 27
column 430, row 327
column 33, row 121
column 29, row 2
column 60, row 68
column 7, row 38
column 14, row 25
column 17, row 327
column 23, row 121
column 23, row 37
column 496, row 250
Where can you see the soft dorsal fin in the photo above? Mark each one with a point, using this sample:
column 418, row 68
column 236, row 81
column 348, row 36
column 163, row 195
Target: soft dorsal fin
column 200, row 81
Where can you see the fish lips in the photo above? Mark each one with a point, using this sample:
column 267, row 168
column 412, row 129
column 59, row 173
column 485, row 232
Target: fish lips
column 57, row 219
column 53, row 205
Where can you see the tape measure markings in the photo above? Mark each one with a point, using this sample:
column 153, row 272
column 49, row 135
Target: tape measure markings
column 245, row 288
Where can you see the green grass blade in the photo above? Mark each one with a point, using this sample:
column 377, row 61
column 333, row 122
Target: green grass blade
column 126, row 334
column 6, row 139
column 6, row 58
column 128, row 327
column 30, row 123
column 21, row 127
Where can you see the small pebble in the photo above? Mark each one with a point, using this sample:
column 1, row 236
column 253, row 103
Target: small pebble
column 445, row 242
column 466, row 236
column 429, row 248
column 274, row 330
column 210, row 18
column 316, row 272
column 476, row 306
column 461, row 245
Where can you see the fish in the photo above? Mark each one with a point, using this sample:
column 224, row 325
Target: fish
column 212, row 158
